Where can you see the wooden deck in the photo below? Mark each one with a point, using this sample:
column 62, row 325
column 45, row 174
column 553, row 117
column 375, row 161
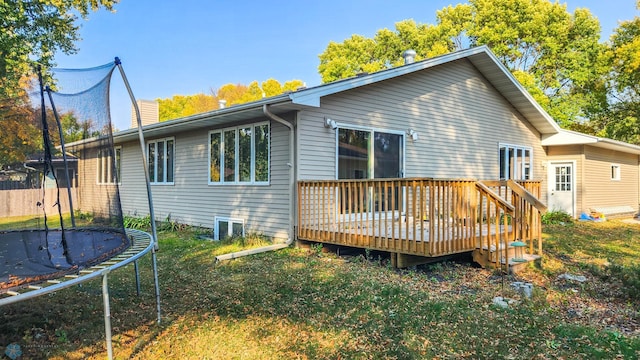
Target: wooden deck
column 420, row 216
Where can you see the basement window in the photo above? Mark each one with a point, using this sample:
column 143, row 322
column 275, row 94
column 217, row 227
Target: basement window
column 227, row 228
column 615, row 172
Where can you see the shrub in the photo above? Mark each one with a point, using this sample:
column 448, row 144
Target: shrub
column 134, row 222
column 556, row 217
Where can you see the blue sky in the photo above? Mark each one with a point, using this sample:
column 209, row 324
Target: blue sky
column 190, row 46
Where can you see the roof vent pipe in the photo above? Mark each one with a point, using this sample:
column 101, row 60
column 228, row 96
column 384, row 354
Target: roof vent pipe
column 222, row 103
column 409, row 56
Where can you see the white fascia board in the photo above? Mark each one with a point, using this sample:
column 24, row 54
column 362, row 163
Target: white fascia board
column 521, row 89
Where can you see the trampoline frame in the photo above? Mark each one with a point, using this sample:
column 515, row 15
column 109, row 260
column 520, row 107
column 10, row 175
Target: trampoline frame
column 142, row 243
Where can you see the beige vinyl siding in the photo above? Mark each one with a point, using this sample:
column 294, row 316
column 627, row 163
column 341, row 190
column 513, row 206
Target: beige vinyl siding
column 93, row 197
column 570, row 153
column 149, row 113
column 599, row 189
column 264, row 208
column 460, row 118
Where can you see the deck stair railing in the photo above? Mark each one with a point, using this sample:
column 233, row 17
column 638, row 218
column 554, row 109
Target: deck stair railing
column 416, row 216
column 528, row 210
column 498, row 216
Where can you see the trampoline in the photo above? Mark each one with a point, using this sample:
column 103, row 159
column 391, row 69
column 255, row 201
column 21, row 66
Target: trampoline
column 63, row 222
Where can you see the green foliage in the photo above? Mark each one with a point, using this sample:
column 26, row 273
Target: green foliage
column 316, row 249
column 556, row 54
column 170, row 224
column 135, row 222
column 32, row 32
column 556, row 217
column 621, row 119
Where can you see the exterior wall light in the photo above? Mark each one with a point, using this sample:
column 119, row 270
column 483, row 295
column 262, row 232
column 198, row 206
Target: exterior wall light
column 413, row 134
column 328, row 123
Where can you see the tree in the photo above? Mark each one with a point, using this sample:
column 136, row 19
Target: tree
column 253, row 93
column 231, row 93
column 555, row 54
column 21, row 136
column 292, row 85
column 32, row 31
column 184, row 105
column 621, row 119
column 271, row 87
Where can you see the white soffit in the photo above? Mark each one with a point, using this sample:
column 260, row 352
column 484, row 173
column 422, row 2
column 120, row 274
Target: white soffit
column 567, row 137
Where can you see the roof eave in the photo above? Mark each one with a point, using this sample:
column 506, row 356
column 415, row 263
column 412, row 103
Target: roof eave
column 568, row 137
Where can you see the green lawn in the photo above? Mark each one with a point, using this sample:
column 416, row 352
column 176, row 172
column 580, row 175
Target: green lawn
column 308, row 304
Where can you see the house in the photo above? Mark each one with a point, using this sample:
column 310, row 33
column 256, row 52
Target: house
column 389, row 160
column 592, row 174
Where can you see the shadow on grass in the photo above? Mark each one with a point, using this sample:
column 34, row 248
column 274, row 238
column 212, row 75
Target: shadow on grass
column 297, row 304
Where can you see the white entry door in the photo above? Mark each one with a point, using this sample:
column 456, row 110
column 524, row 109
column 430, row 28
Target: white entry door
column 561, row 194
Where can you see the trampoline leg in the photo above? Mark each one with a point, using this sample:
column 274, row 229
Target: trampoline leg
column 155, row 279
column 135, row 268
column 107, row 315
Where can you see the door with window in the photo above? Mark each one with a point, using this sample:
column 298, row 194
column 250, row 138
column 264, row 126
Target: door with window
column 370, row 154
column 562, row 187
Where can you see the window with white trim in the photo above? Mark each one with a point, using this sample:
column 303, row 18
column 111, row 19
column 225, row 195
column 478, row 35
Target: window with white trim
column 109, row 166
column 239, row 155
column 228, row 228
column 161, row 160
column 515, row 162
column 615, row 172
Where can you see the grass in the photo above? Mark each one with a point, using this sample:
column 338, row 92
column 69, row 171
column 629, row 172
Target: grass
column 309, row 304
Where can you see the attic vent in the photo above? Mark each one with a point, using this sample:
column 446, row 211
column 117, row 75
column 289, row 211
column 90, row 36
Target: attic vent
column 409, row 56
column 222, row 103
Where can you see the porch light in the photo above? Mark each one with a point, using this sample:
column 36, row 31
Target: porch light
column 518, row 248
column 413, row 134
column 328, row 123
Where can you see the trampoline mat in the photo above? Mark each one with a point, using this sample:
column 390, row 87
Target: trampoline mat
column 35, row 255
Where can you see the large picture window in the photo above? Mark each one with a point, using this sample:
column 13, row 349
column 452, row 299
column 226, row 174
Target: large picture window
column 239, row 155
column 161, row 160
column 515, row 162
column 109, row 166
column 369, row 154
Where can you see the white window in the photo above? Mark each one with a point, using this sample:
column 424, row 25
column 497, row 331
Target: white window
column 227, row 227
column 239, row 155
column 615, row 172
column 161, row 160
column 515, row 162
column 109, row 166
column 62, row 178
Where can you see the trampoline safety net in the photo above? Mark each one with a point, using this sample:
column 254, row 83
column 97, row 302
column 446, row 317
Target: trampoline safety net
column 59, row 172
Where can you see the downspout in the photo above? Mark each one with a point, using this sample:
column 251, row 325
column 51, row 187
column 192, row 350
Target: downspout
column 291, row 236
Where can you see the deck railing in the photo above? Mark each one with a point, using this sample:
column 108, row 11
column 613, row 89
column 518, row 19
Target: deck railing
column 416, row 216
column 528, row 210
